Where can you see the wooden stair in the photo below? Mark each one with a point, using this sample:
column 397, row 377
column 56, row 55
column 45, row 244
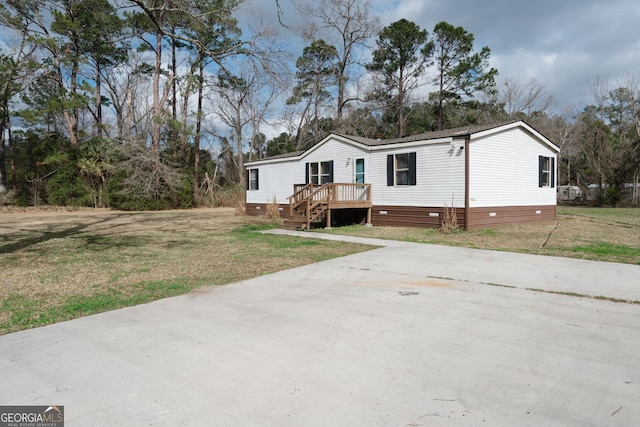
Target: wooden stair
column 295, row 223
column 298, row 219
column 311, row 203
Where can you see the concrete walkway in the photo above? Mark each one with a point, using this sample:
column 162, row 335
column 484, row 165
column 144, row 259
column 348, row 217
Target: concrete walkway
column 403, row 335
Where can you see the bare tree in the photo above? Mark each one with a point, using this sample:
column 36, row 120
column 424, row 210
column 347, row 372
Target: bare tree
column 632, row 84
column 243, row 104
column 348, row 25
column 523, row 98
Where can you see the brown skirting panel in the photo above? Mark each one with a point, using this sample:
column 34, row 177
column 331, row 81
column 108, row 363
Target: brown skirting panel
column 504, row 215
column 425, row 217
column 412, row 216
column 258, row 209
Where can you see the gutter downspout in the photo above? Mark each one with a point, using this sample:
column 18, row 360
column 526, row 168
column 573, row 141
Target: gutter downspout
column 466, row 182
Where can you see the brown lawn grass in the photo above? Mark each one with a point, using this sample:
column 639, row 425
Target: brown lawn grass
column 59, row 264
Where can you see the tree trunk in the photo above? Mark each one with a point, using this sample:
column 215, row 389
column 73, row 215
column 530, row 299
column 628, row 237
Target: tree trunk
column 342, row 82
column 440, row 101
column 157, row 111
column 98, row 101
column 12, row 163
column 4, row 118
column 196, row 139
column 634, row 194
column 240, row 162
column 174, row 83
column 401, row 105
column 3, row 173
column 157, row 108
column 70, row 120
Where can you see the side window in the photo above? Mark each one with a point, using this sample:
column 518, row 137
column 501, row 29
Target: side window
column 546, row 172
column 252, row 179
column 401, row 169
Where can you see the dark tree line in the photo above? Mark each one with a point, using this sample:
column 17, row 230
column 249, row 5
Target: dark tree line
column 151, row 104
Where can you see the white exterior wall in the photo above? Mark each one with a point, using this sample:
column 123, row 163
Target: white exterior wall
column 439, row 174
column 274, row 180
column 503, row 171
column 439, row 177
column 342, row 154
column 277, row 179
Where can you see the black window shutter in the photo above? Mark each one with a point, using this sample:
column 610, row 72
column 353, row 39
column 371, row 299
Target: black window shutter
column 540, row 168
column 306, row 173
column 247, row 179
column 257, row 179
column 412, row 168
column 390, row 171
column 553, row 172
column 331, row 171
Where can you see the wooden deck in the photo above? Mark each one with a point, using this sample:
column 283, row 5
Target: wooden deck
column 310, row 202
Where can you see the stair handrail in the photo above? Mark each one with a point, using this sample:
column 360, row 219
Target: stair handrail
column 298, row 197
column 326, row 195
column 312, row 202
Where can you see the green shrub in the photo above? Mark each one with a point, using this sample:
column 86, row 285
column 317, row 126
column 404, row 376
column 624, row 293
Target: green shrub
column 67, row 188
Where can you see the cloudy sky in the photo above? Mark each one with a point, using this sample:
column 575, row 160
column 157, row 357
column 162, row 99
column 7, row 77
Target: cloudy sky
column 563, row 44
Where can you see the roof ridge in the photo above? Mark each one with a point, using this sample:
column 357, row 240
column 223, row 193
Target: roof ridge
column 444, row 133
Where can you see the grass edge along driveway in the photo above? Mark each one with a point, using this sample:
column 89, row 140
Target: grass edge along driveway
column 90, row 272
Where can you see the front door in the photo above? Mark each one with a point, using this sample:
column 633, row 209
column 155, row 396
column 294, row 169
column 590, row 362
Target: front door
column 358, row 171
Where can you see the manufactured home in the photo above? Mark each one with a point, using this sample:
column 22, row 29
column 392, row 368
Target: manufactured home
column 485, row 175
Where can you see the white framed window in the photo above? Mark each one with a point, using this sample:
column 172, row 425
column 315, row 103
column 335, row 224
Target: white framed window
column 320, row 172
column 402, row 169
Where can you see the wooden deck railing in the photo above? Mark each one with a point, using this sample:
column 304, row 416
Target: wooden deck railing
column 331, row 195
column 349, row 193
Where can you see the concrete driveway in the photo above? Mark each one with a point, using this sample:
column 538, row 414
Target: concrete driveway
column 404, row 335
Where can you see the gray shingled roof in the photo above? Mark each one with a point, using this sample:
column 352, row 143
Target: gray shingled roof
column 446, row 133
column 280, row 156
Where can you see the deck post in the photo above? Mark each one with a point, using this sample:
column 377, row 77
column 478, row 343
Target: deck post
column 328, row 218
column 369, row 217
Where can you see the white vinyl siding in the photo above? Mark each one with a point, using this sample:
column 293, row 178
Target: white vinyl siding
column 439, row 178
column 277, row 178
column 504, row 171
column 343, row 156
column 275, row 181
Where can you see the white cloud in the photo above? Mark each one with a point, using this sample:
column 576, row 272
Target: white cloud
column 564, row 45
